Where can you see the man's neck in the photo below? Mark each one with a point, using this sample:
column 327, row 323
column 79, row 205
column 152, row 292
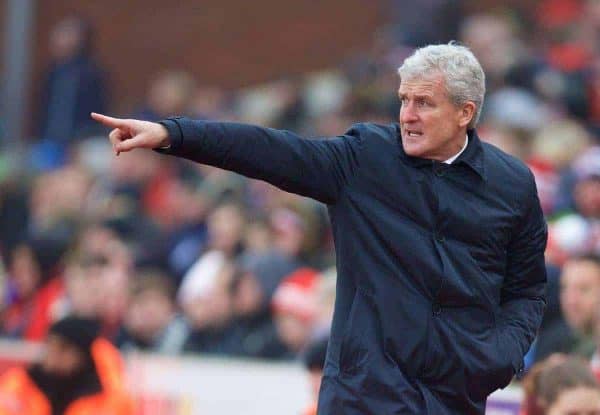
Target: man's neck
column 450, row 160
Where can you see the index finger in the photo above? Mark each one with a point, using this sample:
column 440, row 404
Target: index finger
column 108, row 121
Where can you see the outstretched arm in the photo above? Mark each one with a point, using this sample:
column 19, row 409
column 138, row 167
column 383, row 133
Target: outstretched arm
column 317, row 168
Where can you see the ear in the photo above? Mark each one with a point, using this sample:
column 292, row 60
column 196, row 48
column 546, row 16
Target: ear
column 466, row 113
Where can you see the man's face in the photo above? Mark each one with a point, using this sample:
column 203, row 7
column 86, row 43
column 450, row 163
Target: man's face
column 149, row 314
column 61, row 358
column 580, row 294
column 249, row 296
column 432, row 126
column 225, row 226
column 66, row 39
column 293, row 331
column 583, row 400
column 587, row 197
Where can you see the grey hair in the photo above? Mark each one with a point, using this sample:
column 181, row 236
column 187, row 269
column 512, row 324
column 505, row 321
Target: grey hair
column 462, row 72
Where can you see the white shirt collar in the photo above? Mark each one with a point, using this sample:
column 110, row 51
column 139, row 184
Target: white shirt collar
column 454, row 157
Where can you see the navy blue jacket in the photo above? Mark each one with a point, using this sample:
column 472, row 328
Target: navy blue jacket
column 441, row 274
column 71, row 90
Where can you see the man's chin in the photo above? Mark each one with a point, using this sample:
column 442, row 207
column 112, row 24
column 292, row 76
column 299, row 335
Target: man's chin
column 413, row 150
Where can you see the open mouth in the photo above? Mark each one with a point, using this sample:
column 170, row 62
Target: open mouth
column 411, row 133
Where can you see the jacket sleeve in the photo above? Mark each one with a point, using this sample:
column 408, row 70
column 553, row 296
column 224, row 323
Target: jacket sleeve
column 317, row 168
column 523, row 292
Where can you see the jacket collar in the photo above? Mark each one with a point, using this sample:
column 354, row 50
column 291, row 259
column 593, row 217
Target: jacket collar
column 471, row 157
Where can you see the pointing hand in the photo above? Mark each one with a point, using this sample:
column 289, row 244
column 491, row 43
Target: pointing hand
column 128, row 134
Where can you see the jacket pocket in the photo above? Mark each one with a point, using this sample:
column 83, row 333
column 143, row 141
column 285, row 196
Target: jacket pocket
column 353, row 353
column 508, row 352
column 494, row 373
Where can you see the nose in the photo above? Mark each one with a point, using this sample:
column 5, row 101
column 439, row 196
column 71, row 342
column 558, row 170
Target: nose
column 408, row 113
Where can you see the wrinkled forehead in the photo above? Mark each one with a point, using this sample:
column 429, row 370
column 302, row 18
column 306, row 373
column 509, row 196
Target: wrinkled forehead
column 428, row 84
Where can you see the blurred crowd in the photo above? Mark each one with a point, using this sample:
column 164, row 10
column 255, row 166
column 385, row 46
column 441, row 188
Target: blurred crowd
column 174, row 257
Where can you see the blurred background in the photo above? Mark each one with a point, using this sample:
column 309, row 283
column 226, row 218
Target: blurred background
column 218, row 290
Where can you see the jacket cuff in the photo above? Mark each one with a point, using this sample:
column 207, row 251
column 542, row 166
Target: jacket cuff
column 175, row 134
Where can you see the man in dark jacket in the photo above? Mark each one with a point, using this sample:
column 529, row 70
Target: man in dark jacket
column 439, row 238
column 74, row 84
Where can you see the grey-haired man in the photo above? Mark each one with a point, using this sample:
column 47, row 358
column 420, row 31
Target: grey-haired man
column 439, row 238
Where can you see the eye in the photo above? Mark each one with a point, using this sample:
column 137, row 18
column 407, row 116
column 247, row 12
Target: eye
column 421, row 102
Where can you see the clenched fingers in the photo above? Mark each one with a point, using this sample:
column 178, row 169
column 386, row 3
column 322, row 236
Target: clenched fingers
column 116, row 137
column 138, row 141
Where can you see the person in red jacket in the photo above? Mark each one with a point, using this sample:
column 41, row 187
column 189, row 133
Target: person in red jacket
column 79, row 373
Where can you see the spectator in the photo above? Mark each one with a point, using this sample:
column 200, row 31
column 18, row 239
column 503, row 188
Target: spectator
column 119, row 200
column 548, row 380
column 209, row 311
column 493, row 39
column 578, row 400
column 151, row 322
column 258, row 238
column 113, row 264
column 580, row 302
column 587, row 185
column 252, row 332
column 74, row 85
column 78, row 373
column 175, row 202
column 289, row 230
column 553, row 149
column 267, row 269
column 532, row 403
column 210, row 103
column 84, row 290
column 58, row 200
column 568, row 374
column 294, row 304
column 34, row 287
column 424, row 22
column 171, row 92
column 225, row 232
column 577, row 232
